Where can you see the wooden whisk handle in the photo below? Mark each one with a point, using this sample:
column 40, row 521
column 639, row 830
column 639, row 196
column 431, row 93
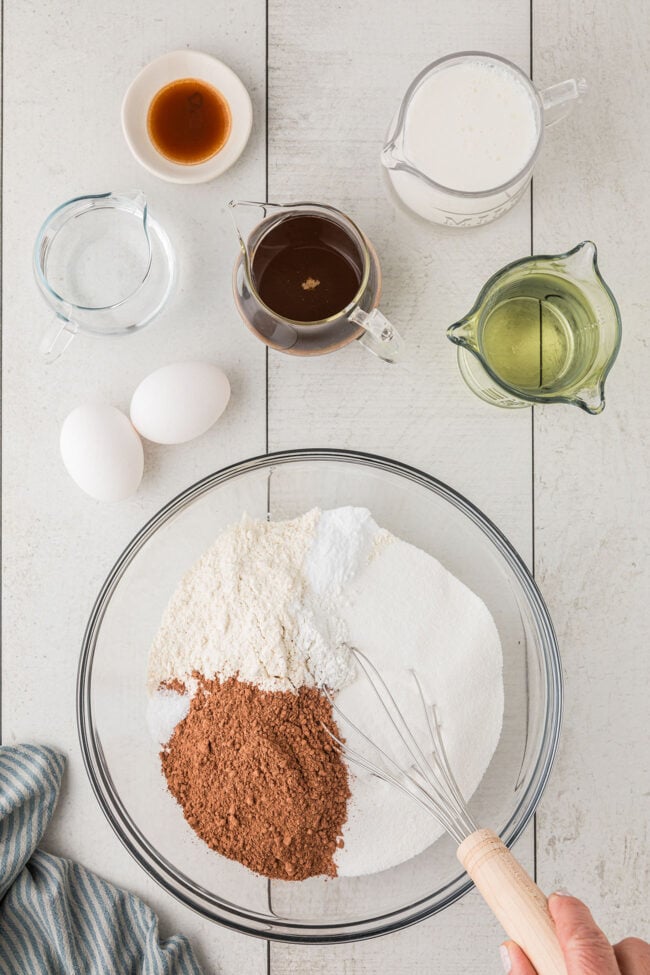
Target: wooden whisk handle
column 515, row 899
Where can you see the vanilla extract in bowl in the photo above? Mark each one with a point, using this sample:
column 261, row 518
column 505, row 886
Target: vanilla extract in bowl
column 189, row 121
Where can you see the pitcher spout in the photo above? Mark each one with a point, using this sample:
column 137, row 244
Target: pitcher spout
column 137, row 203
column 137, row 197
column 591, row 399
column 247, row 215
column 582, row 261
column 464, row 333
column 390, row 157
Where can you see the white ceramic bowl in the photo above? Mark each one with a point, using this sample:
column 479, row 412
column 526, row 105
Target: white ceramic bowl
column 172, row 67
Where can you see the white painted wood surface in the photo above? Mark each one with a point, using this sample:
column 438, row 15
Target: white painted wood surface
column 335, row 76
column 592, row 483
column 67, row 66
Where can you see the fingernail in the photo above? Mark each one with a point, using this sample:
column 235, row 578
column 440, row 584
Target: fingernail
column 505, row 958
column 562, row 892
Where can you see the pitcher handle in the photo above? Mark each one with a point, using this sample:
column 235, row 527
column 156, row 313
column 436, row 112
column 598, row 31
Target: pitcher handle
column 57, row 339
column 559, row 100
column 380, row 337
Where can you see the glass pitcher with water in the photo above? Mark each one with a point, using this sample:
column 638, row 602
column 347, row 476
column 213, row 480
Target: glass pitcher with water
column 104, row 266
column 542, row 330
column 307, row 281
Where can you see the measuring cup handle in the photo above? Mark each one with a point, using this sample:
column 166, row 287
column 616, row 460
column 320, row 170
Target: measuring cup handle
column 57, row 339
column 559, row 100
column 380, row 337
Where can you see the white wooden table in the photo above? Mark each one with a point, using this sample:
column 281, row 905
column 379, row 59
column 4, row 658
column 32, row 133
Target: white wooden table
column 571, row 491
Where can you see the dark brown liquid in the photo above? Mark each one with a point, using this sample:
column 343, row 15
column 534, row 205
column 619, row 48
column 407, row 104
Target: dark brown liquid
column 188, row 121
column 307, row 268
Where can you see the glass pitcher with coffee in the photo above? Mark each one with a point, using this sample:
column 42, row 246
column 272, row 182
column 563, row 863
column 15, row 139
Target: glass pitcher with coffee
column 307, row 281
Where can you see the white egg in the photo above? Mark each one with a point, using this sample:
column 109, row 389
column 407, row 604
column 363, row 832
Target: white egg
column 102, row 452
column 179, row 402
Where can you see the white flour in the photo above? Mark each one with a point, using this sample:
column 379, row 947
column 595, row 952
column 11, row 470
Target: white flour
column 244, row 609
column 280, row 602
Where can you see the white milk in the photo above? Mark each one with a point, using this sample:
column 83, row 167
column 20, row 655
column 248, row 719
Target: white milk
column 470, row 126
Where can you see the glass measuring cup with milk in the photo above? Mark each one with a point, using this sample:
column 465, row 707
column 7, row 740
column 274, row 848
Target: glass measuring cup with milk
column 462, row 146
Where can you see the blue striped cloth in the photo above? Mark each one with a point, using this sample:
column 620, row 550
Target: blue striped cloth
column 57, row 918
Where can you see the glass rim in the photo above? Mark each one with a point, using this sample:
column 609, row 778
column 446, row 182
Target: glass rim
column 90, row 200
column 407, row 166
column 251, row 922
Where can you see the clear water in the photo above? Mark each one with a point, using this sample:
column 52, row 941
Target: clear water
column 98, row 258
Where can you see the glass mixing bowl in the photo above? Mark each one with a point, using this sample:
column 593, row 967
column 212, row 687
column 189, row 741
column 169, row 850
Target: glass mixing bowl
column 121, row 758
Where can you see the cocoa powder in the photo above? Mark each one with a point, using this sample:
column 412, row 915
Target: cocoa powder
column 259, row 778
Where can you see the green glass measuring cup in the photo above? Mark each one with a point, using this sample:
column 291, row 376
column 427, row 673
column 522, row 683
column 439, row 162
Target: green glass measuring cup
column 544, row 329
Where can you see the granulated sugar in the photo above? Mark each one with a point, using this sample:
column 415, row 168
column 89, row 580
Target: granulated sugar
column 405, row 610
column 166, row 708
column 279, row 604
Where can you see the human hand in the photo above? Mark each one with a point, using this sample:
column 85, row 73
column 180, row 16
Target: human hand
column 586, row 949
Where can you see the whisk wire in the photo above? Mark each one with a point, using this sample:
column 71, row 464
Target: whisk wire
column 405, row 734
column 433, row 776
column 432, row 792
column 429, row 781
column 380, row 770
column 360, row 760
column 439, row 755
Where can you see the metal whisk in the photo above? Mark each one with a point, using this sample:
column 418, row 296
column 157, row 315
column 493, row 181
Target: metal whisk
column 509, row 891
